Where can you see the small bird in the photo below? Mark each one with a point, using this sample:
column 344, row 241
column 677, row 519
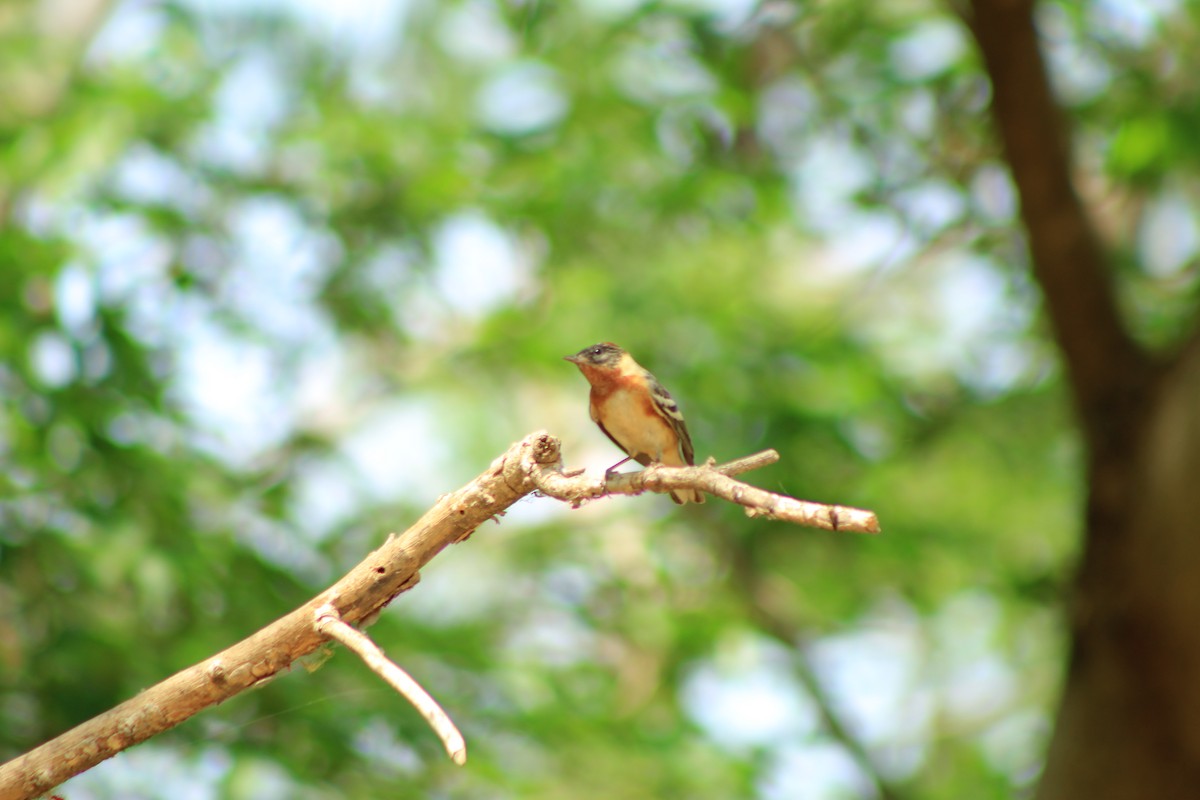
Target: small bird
column 636, row 412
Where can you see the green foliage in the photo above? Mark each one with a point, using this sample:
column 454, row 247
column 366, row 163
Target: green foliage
column 283, row 190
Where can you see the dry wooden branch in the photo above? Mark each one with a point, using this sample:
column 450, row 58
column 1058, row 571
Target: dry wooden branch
column 331, row 624
column 714, row 479
column 532, row 464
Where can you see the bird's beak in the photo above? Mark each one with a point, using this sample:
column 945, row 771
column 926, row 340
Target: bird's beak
column 573, row 359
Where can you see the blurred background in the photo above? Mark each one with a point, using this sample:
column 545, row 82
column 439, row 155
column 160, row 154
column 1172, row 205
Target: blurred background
column 274, row 275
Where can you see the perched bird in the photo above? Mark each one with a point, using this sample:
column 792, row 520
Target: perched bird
column 636, row 412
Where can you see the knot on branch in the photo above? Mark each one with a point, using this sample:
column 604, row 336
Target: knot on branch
column 546, row 449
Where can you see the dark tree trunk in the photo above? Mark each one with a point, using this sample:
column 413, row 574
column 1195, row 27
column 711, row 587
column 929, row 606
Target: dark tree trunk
column 1128, row 725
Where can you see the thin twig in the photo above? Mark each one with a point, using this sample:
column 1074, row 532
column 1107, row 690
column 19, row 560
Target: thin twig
column 763, row 458
column 330, row 623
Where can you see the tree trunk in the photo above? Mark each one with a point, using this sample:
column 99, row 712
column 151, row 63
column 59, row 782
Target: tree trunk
column 1128, row 726
column 1129, row 722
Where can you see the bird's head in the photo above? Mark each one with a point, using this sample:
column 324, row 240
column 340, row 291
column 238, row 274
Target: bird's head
column 605, row 354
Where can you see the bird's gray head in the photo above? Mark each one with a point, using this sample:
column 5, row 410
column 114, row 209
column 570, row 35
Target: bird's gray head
column 605, row 354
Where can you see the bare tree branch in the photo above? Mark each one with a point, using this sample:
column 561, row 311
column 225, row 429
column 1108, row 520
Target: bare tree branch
column 714, row 479
column 530, row 465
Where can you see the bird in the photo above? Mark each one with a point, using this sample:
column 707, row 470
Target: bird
column 636, row 412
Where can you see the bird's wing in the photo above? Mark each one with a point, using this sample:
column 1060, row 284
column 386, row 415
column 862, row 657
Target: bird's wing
column 669, row 409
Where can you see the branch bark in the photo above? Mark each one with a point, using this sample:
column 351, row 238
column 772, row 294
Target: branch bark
column 717, row 481
column 530, row 465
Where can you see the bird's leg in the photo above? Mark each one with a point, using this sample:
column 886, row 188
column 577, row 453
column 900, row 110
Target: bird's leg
column 608, row 472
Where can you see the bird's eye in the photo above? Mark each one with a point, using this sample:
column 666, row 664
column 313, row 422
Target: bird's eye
column 597, row 351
